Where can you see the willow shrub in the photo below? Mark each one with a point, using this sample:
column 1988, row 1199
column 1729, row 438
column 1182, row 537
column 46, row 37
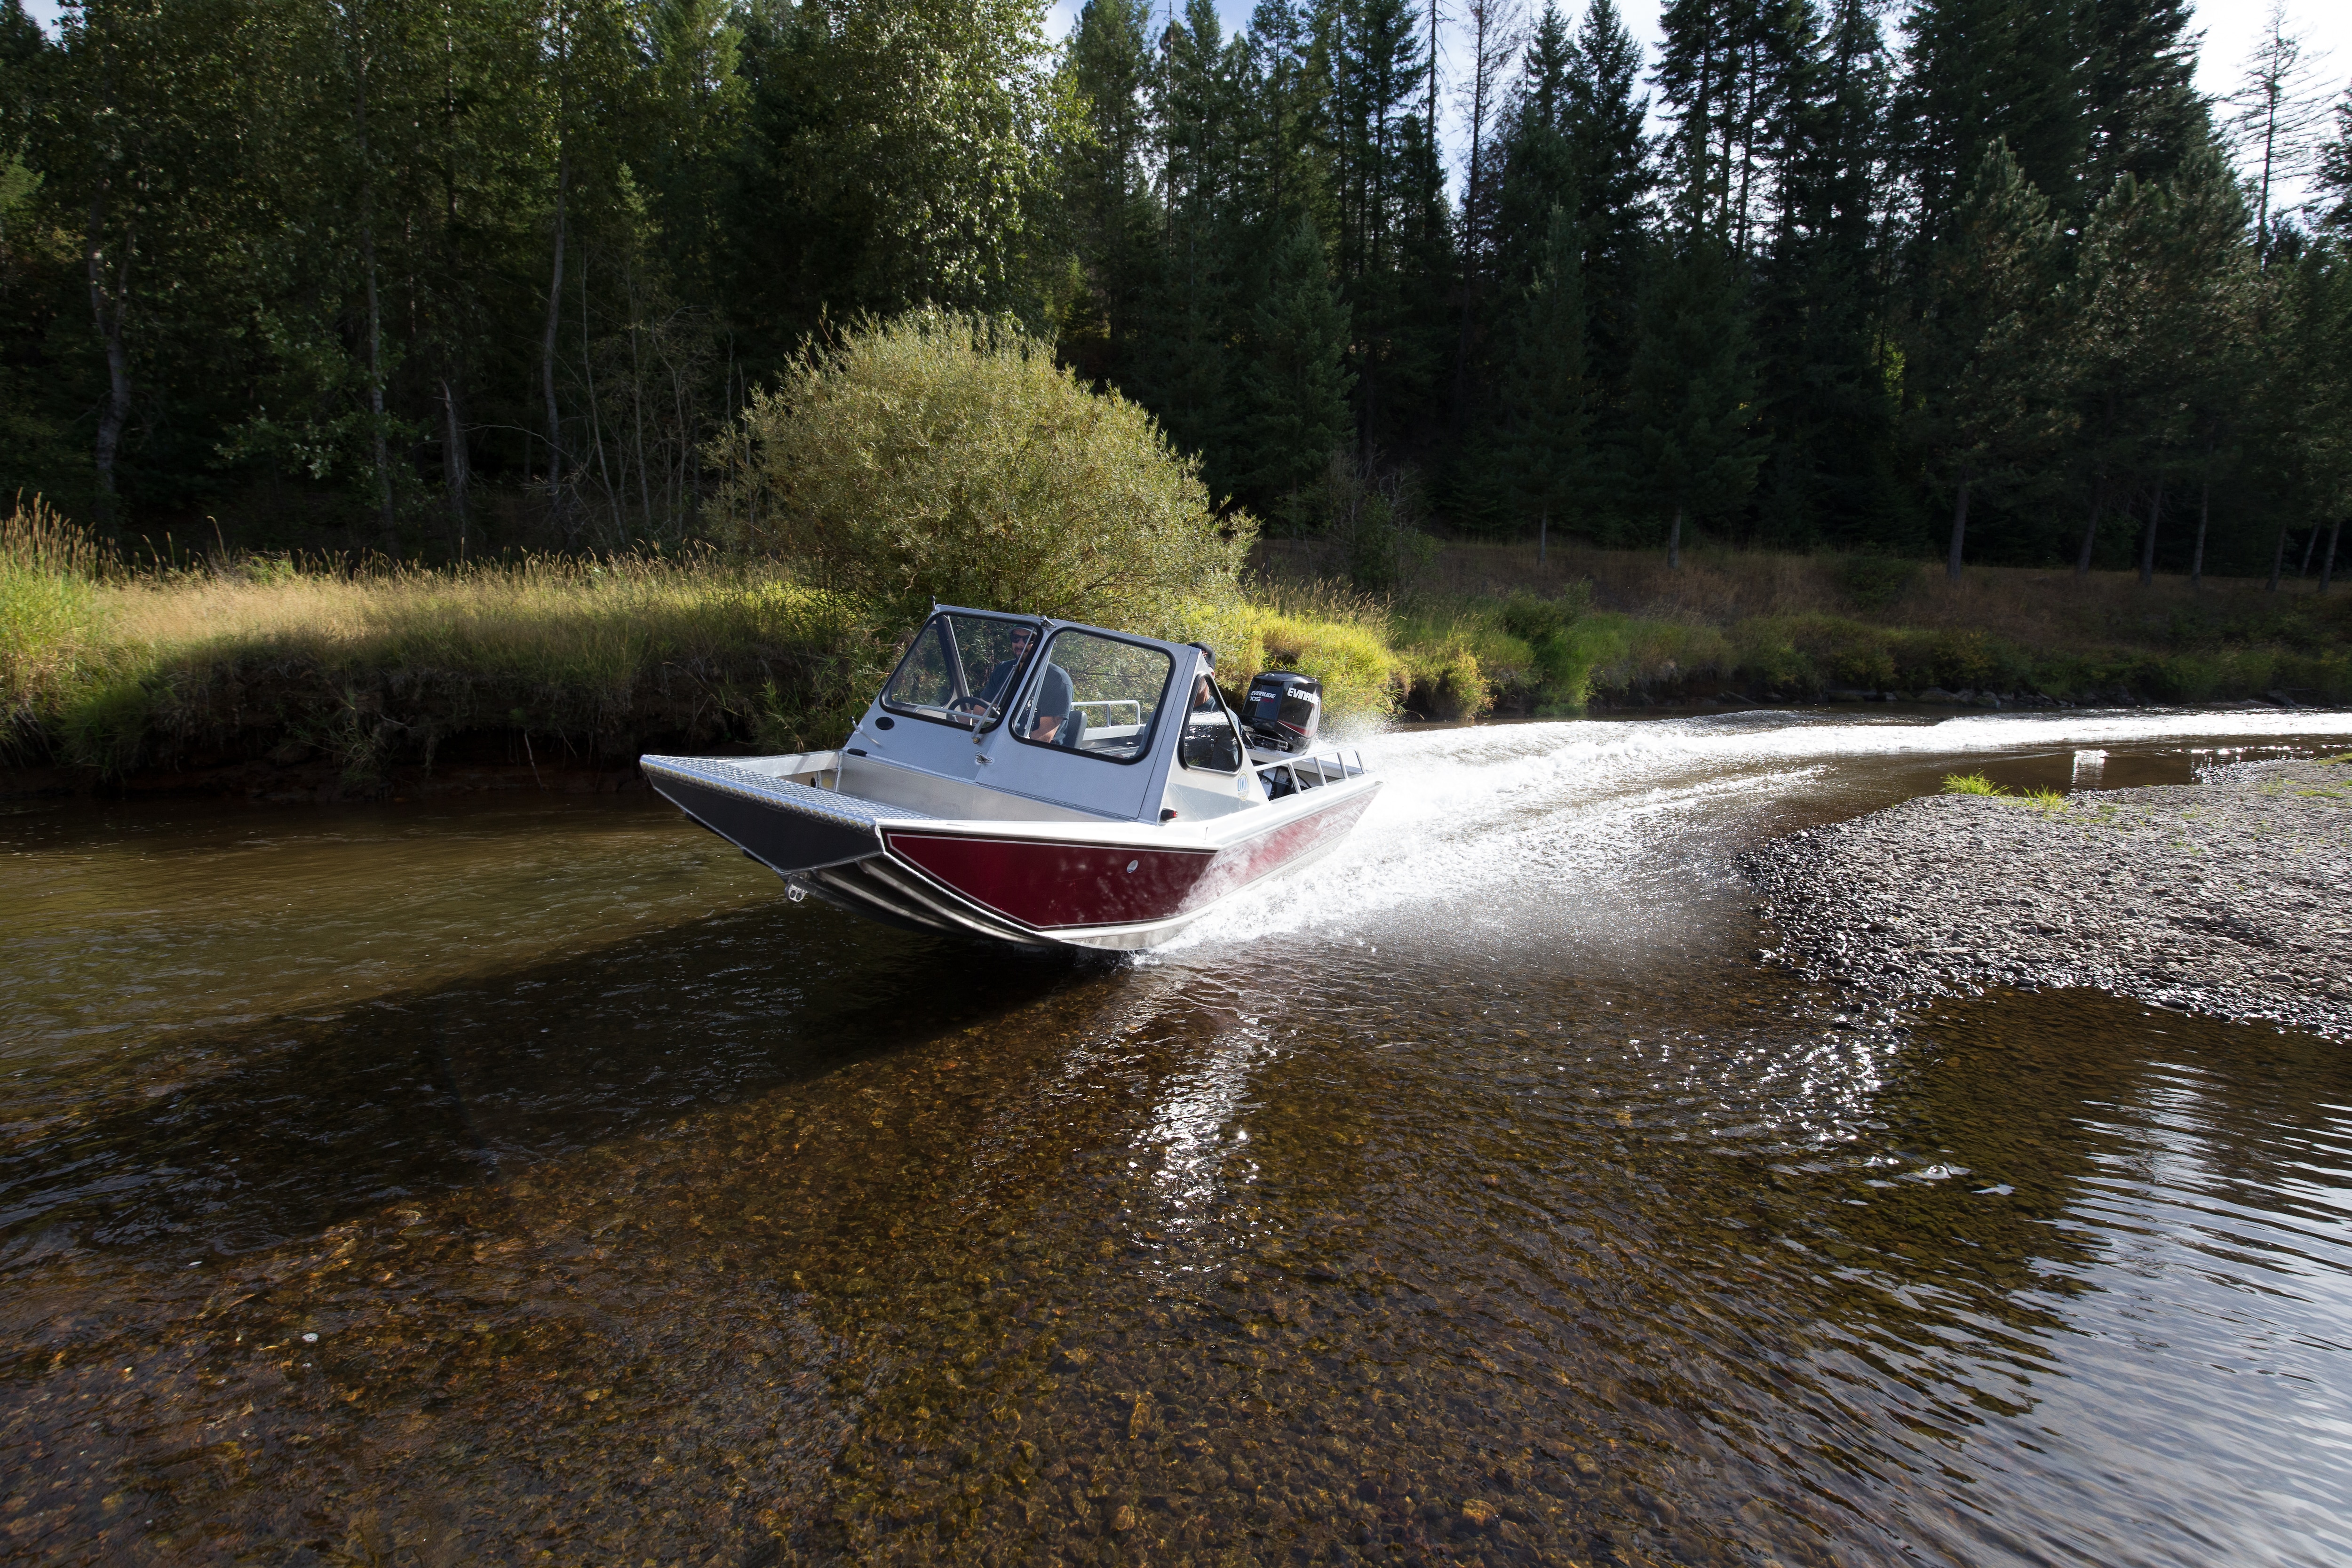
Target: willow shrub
column 937, row 455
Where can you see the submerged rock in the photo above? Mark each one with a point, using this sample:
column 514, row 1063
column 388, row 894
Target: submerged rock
column 2224, row 897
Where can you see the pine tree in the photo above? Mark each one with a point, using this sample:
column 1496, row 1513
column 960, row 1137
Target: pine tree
column 2334, row 174
column 1690, row 452
column 1536, row 161
column 1114, row 218
column 1982, row 70
column 1826, row 406
column 2162, row 297
column 2275, row 121
column 1608, row 149
column 1985, row 412
column 1294, row 381
column 1546, row 396
column 1278, row 171
column 2143, row 112
column 1393, row 237
column 1184, row 376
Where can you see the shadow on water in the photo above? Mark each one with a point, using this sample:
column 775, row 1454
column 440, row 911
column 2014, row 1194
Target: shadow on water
column 315, row 1119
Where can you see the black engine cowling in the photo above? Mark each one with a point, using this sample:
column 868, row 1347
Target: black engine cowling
column 1283, row 710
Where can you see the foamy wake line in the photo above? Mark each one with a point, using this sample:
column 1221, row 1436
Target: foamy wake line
column 1560, row 809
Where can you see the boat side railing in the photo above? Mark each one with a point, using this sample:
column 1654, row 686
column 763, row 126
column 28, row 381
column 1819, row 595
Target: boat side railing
column 1314, row 769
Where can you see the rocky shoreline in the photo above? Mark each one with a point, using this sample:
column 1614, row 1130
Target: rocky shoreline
column 2227, row 896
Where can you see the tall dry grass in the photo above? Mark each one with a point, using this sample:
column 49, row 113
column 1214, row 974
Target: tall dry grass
column 1721, row 586
column 1621, row 623
column 104, row 667
column 109, row 667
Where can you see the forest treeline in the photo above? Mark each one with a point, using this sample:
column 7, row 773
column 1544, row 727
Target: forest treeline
column 441, row 276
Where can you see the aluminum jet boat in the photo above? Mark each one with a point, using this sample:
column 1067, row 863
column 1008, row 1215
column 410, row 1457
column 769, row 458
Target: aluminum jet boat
column 1043, row 783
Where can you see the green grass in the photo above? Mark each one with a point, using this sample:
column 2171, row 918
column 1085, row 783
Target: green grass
column 122, row 672
column 125, row 672
column 2049, row 802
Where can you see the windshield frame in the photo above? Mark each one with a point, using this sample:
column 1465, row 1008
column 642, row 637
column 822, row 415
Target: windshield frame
column 943, row 618
column 1147, row 742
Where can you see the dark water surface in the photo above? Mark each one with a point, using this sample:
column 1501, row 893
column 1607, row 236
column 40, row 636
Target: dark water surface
column 527, row 1182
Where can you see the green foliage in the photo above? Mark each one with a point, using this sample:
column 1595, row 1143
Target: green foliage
column 1296, row 385
column 1689, row 403
column 401, row 277
column 1546, row 395
column 949, row 456
column 1971, row 783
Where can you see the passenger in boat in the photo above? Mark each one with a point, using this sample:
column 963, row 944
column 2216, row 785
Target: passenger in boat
column 1205, row 689
column 1053, row 705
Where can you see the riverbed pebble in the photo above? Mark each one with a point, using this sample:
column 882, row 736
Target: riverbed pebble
column 2225, row 897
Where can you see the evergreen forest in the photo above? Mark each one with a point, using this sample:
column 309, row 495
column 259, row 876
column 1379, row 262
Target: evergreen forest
column 1970, row 280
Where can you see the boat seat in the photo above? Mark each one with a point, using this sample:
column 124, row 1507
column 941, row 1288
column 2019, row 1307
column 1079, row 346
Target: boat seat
column 1073, row 732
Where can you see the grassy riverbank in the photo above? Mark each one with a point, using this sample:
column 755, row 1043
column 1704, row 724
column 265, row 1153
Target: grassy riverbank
column 347, row 675
column 351, row 671
column 1490, row 625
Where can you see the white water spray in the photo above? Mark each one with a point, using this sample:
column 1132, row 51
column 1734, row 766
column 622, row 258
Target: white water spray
column 1570, row 818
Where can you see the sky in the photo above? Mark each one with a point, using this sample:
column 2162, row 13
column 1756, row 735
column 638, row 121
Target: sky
column 2232, row 29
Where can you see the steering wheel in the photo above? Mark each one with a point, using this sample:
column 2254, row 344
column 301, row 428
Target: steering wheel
column 974, row 707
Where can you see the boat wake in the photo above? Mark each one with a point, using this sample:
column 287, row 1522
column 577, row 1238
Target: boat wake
column 1604, row 829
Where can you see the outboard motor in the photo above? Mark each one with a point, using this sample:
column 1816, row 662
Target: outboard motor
column 1283, row 710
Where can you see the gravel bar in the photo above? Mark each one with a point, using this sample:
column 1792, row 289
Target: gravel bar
column 2231, row 897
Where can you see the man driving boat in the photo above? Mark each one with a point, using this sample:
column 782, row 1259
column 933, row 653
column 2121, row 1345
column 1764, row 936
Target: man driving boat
column 1051, row 709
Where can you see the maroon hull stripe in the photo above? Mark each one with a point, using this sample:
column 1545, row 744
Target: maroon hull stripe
column 1047, row 885
column 1051, row 886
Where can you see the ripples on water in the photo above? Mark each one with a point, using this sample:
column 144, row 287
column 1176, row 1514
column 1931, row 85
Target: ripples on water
column 1474, row 1195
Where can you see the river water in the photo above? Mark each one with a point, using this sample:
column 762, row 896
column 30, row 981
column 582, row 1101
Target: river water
column 526, row 1181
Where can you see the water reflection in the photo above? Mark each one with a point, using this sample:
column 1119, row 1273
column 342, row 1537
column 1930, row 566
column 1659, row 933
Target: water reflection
column 1515, row 1220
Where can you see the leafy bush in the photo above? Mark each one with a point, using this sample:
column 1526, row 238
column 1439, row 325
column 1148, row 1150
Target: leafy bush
column 1337, row 635
column 948, row 456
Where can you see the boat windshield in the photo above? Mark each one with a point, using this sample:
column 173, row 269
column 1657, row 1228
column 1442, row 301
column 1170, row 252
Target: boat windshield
column 1097, row 696
column 959, row 669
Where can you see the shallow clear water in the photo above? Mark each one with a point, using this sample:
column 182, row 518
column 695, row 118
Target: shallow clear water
column 1475, row 1195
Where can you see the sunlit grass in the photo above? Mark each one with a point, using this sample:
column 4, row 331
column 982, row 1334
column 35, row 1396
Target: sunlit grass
column 106, row 667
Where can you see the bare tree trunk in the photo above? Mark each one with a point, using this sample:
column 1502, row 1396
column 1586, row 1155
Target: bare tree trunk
column 377, row 440
column 547, row 354
column 1959, row 528
column 375, row 385
column 596, row 418
column 456, row 467
column 106, row 315
column 1675, row 540
column 2278, row 559
column 2204, row 516
column 2310, row 542
column 2147, row 545
column 1543, row 534
column 2098, row 500
column 2327, row 567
